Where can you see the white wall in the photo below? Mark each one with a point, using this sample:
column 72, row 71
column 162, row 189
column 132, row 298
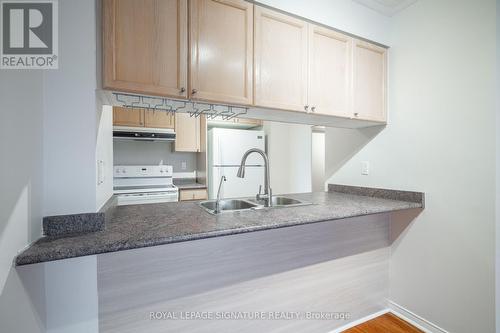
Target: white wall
column 72, row 118
column 498, row 177
column 48, row 141
column 289, row 152
column 21, row 114
column 440, row 140
column 300, row 158
column 70, row 122
column 345, row 15
column 152, row 153
column 104, row 156
column 318, row 161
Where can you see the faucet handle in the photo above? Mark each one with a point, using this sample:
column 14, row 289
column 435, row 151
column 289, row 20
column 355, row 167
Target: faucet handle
column 259, row 195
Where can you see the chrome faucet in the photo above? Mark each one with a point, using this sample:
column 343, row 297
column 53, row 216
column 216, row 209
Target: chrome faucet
column 267, row 197
column 217, row 202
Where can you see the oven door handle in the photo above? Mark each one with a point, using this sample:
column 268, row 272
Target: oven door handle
column 147, row 197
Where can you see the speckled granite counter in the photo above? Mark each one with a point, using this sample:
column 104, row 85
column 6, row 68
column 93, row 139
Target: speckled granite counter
column 135, row 226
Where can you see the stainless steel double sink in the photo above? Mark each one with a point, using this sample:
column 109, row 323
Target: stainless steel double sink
column 232, row 205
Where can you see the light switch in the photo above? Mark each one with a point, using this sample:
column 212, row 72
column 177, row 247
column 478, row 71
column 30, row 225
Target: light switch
column 365, row 168
column 183, row 165
column 100, row 172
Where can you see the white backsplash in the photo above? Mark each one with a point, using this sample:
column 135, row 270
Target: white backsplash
column 152, row 153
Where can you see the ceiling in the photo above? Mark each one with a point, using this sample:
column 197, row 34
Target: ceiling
column 386, row 7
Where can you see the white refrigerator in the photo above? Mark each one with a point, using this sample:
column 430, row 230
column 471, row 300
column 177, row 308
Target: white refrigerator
column 226, row 147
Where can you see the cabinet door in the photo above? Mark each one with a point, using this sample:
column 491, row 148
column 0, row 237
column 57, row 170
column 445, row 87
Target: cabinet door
column 280, row 60
column 145, row 46
column 187, row 133
column 159, row 119
column 128, row 117
column 370, row 63
column 221, row 37
column 198, row 194
column 330, row 72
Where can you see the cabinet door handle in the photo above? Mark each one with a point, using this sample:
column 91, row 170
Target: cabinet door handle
column 194, row 91
column 313, row 109
column 182, row 90
column 306, row 107
column 356, row 114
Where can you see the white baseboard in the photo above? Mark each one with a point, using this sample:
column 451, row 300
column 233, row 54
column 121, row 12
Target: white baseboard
column 414, row 319
column 359, row 321
column 400, row 312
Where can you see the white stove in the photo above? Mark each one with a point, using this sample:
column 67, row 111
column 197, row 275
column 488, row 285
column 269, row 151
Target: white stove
column 141, row 184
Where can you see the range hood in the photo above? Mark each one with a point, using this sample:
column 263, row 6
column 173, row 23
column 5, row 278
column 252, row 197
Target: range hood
column 143, row 134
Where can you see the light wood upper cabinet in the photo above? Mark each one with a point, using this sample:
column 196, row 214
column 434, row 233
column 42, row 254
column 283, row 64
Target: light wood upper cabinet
column 132, row 117
column 221, row 45
column 159, row 119
column 128, row 117
column 370, row 75
column 239, row 54
column 330, row 72
column 145, row 46
column 187, row 133
column 280, row 60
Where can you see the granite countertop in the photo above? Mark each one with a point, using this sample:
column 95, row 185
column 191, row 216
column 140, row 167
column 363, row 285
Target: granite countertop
column 135, row 226
column 188, row 183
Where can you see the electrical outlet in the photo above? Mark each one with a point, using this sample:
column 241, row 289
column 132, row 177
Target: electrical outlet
column 365, row 168
column 183, row 165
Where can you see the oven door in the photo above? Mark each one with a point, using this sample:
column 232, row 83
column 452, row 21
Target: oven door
column 147, row 198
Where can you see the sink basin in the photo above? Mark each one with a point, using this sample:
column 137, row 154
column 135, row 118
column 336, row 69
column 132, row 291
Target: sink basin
column 284, row 201
column 228, row 205
column 279, row 201
column 231, row 205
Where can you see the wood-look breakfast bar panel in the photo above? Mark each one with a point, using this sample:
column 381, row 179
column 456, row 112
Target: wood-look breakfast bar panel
column 331, row 266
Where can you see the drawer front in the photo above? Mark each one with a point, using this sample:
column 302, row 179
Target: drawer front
column 199, row 194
